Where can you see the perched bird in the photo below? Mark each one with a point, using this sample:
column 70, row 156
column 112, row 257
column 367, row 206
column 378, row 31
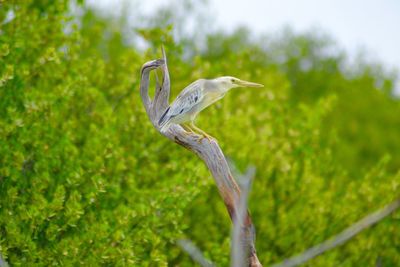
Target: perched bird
column 196, row 97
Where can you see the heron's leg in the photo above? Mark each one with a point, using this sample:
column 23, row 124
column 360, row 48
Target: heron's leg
column 201, row 132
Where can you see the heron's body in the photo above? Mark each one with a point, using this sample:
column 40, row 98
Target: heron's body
column 196, row 97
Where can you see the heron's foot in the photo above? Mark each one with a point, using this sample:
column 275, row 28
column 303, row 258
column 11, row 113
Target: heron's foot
column 202, row 133
column 205, row 135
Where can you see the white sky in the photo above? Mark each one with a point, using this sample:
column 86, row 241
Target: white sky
column 371, row 25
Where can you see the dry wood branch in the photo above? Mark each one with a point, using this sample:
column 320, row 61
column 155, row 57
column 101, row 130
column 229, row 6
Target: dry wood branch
column 342, row 237
column 208, row 151
column 194, row 252
column 239, row 247
column 3, row 263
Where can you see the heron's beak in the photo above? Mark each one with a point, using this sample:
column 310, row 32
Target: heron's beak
column 248, row 84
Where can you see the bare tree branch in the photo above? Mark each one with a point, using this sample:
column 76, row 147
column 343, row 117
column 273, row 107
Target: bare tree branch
column 144, row 84
column 240, row 246
column 194, row 252
column 342, row 237
column 3, row 263
column 161, row 95
column 208, row 151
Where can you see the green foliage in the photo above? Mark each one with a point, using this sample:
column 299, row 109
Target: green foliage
column 86, row 180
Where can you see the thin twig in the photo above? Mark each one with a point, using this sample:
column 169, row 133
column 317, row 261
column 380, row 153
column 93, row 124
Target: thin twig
column 341, row 238
column 3, row 263
column 194, row 252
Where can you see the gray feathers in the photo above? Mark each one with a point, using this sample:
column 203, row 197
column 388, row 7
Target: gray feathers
column 163, row 117
column 188, row 98
column 184, row 102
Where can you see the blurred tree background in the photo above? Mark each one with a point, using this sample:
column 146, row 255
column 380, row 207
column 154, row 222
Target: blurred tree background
column 86, row 180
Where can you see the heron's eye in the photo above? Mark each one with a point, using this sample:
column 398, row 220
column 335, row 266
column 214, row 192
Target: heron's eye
column 232, row 80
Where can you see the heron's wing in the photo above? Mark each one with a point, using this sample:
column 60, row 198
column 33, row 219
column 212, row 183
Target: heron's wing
column 188, row 98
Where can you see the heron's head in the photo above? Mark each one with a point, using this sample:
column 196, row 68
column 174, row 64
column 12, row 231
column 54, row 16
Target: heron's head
column 229, row 82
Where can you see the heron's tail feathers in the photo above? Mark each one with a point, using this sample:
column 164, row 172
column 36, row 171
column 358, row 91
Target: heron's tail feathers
column 164, row 119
